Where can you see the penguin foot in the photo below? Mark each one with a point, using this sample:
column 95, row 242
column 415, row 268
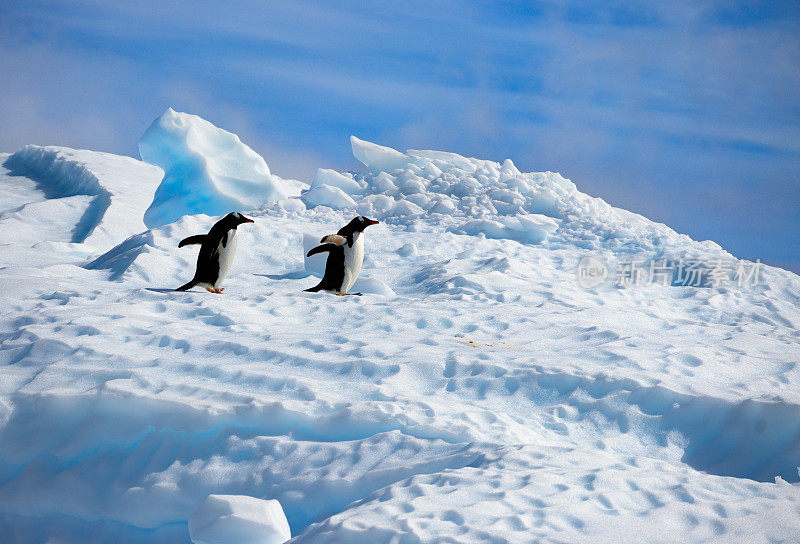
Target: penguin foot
column 215, row 291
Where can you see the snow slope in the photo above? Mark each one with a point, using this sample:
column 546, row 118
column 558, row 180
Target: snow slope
column 104, row 195
column 482, row 397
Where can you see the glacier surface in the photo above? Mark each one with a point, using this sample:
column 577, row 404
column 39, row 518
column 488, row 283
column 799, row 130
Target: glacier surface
column 475, row 393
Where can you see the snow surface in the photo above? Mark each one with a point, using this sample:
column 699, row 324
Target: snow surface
column 206, row 170
column 484, row 397
column 237, row 519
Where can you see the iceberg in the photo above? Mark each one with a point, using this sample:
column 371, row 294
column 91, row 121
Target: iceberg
column 206, row 170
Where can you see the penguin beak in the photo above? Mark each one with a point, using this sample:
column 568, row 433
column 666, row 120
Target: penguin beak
column 371, row 222
column 247, row 220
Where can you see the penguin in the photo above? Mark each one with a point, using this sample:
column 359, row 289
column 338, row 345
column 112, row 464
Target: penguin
column 345, row 256
column 217, row 249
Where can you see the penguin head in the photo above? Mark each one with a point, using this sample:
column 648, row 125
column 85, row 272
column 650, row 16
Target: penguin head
column 233, row 220
column 357, row 224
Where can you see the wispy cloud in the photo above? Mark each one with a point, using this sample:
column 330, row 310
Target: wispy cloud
column 685, row 111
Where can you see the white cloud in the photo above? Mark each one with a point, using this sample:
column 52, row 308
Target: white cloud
column 621, row 96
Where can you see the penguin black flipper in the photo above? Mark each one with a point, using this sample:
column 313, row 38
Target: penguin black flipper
column 321, row 249
column 334, row 268
column 196, row 239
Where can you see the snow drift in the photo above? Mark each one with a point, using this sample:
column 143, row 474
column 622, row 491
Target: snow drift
column 119, row 190
column 206, row 170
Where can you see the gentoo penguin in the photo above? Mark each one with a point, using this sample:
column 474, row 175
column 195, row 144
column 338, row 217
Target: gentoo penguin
column 217, row 249
column 345, row 256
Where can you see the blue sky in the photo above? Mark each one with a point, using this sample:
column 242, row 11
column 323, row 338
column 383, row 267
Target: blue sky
column 686, row 112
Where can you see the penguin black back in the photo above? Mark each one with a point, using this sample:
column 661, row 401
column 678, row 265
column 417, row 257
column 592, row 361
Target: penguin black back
column 215, row 255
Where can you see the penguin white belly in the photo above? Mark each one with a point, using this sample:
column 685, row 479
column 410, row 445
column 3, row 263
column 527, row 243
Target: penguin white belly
column 353, row 259
column 226, row 253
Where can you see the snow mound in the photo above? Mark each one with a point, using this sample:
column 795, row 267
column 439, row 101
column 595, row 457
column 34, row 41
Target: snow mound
column 238, row 519
column 206, row 170
column 372, row 286
column 83, row 196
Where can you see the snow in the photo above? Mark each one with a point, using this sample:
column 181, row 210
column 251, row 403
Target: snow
column 206, row 170
column 102, row 196
column 237, row 519
column 474, row 393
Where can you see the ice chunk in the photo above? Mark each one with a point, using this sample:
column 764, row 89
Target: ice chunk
column 238, row 519
column 378, row 158
column 509, row 168
column 443, row 158
column 291, row 205
column 326, row 195
column 528, row 228
column 408, row 250
column 444, row 205
column 375, row 204
column 405, row 207
column 384, row 182
column 345, row 182
column 206, row 170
